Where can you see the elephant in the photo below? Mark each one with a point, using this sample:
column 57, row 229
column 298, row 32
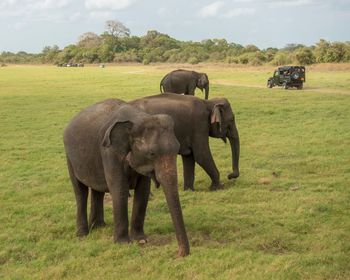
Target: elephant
column 184, row 81
column 195, row 120
column 112, row 147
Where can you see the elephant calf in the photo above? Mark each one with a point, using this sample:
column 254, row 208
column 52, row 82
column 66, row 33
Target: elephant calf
column 195, row 120
column 184, row 81
column 113, row 147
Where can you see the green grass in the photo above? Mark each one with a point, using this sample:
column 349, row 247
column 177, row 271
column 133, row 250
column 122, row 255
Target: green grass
column 286, row 217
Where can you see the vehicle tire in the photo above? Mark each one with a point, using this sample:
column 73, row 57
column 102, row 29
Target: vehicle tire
column 284, row 85
column 300, row 87
column 269, row 84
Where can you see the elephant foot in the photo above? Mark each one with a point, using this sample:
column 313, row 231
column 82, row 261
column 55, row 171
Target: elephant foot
column 82, row 232
column 233, row 175
column 140, row 237
column 215, row 187
column 122, row 240
column 183, row 251
column 189, row 188
column 97, row 224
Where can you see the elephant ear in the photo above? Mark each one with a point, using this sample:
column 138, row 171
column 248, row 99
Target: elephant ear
column 117, row 134
column 216, row 116
column 201, row 81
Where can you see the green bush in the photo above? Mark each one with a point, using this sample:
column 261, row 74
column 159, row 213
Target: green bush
column 146, row 61
column 282, row 58
column 304, row 56
column 193, row 60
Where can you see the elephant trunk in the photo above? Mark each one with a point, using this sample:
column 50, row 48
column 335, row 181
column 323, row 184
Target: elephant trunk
column 166, row 174
column 235, row 150
column 206, row 91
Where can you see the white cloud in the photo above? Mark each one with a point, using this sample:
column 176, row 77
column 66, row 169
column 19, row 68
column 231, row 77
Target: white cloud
column 7, row 3
column 76, row 16
column 34, row 4
column 108, row 4
column 161, row 11
column 100, row 14
column 211, row 10
column 53, row 4
column 239, row 12
column 288, row 3
column 29, row 7
column 244, row 1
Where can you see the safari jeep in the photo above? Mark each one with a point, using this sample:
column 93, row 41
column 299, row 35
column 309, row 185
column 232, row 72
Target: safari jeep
column 288, row 76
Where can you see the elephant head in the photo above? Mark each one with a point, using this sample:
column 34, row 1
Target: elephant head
column 222, row 125
column 148, row 145
column 203, row 83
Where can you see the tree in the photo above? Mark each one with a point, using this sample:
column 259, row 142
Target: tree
column 251, row 48
column 67, row 54
column 281, row 58
column 89, row 40
column 336, row 53
column 117, row 29
column 292, row 47
column 321, row 50
column 304, row 56
column 49, row 54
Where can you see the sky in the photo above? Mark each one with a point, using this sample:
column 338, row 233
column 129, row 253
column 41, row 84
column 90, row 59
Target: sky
column 30, row 25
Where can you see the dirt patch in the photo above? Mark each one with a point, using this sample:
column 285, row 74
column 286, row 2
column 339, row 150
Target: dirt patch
column 265, row 181
column 276, row 246
column 326, row 67
column 235, row 84
column 307, row 89
column 136, row 72
column 160, row 240
column 328, row 90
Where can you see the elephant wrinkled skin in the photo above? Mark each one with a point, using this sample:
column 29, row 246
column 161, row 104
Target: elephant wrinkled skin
column 112, row 147
column 185, row 82
column 195, row 120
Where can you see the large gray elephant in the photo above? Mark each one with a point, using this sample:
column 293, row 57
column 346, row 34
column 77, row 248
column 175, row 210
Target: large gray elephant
column 195, row 120
column 184, row 81
column 112, row 147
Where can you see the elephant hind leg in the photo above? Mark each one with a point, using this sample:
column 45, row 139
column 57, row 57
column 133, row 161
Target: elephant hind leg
column 96, row 218
column 188, row 168
column 81, row 195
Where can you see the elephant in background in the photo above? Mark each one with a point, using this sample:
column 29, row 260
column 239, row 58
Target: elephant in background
column 195, row 120
column 184, row 81
column 112, row 147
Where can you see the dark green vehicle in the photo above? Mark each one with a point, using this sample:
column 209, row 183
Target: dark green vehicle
column 288, row 76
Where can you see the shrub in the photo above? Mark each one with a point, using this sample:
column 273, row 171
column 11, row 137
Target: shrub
column 146, row 61
column 193, row 60
column 304, row 56
column 281, row 58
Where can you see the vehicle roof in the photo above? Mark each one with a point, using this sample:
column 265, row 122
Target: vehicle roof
column 289, row 67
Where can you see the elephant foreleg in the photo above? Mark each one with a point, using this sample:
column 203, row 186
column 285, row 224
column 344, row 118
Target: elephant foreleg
column 120, row 215
column 191, row 89
column 141, row 195
column 118, row 187
column 205, row 159
column 188, row 169
column 96, row 218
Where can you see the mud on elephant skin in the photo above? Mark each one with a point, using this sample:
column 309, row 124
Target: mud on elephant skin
column 112, row 147
column 185, row 82
column 195, row 120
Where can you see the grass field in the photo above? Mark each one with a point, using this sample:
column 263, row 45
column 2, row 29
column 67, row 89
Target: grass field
column 286, row 217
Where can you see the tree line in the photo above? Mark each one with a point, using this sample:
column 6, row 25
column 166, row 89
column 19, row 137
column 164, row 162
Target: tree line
column 116, row 45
